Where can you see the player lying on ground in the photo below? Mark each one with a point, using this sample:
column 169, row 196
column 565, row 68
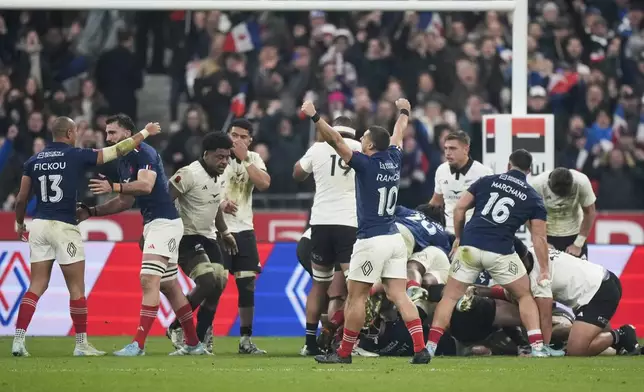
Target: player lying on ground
column 333, row 221
column 198, row 192
column 53, row 176
column 379, row 251
column 502, row 203
column 143, row 179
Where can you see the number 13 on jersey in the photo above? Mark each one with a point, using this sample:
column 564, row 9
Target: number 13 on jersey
column 388, row 199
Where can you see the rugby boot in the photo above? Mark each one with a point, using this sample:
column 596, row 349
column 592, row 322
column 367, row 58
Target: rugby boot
column 332, row 358
column 197, row 349
column 208, row 340
column 18, row 348
column 246, row 346
column 464, row 304
column 421, row 358
column 628, row 339
column 307, row 351
column 87, row 350
column 553, row 352
column 416, row 293
column 176, row 336
column 131, row 350
column 539, row 352
column 361, row 352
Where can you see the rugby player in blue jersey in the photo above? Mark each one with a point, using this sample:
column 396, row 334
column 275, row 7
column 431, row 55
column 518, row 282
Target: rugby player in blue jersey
column 54, row 175
column 142, row 179
column 379, row 251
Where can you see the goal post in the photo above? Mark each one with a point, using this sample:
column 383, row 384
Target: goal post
column 518, row 9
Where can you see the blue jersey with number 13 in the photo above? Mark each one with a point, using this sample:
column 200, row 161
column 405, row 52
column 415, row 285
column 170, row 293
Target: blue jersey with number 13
column 502, row 204
column 377, row 178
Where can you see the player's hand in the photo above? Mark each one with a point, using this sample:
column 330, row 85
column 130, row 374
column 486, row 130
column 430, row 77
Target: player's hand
column 544, row 279
column 229, row 243
column 308, row 108
column 573, row 250
column 82, row 213
column 12, row 132
column 21, row 229
column 153, row 128
column 403, row 104
column 100, row 187
column 229, row 207
column 455, row 246
column 240, row 149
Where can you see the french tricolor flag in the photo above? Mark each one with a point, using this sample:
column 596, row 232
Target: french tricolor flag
column 243, row 38
column 238, row 103
column 430, row 22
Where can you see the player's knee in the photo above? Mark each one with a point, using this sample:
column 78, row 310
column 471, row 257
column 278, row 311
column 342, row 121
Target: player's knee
column 246, row 289
column 322, row 276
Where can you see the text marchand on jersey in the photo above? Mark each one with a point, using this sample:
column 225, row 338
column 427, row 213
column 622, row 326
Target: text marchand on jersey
column 388, row 177
column 508, row 188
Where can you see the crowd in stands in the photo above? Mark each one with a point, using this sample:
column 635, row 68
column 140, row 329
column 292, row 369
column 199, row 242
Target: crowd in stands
column 586, row 66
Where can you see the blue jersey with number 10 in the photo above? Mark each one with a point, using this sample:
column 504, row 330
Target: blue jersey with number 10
column 377, row 178
column 502, row 204
column 425, row 231
column 56, row 174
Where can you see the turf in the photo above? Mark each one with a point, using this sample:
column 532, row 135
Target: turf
column 52, row 368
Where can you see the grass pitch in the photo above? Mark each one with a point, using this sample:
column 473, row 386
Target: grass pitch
column 52, row 368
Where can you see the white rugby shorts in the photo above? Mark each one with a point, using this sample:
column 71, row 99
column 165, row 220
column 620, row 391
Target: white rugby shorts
column 383, row 256
column 161, row 237
column 435, row 262
column 470, row 261
column 55, row 240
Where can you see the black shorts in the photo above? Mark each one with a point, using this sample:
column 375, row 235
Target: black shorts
column 603, row 305
column 561, row 243
column 332, row 244
column 192, row 245
column 247, row 257
column 476, row 324
column 303, row 252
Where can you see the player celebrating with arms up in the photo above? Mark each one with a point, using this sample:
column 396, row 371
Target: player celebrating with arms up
column 502, row 203
column 143, row 180
column 53, row 175
column 379, row 251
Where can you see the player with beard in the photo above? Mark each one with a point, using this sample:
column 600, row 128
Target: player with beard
column 198, row 191
column 333, row 221
column 53, row 176
column 570, row 203
column 245, row 172
column 142, row 179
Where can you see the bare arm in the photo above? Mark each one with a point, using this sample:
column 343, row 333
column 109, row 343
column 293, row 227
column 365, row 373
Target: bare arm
column 123, row 147
column 464, row 203
column 298, row 173
column 142, row 186
column 545, row 317
column 540, row 243
column 437, row 200
column 22, row 199
column 258, row 177
column 590, row 213
column 328, row 134
column 113, row 206
column 401, row 124
column 220, row 223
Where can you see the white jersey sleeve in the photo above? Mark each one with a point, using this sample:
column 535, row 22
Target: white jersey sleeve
column 306, row 162
column 586, row 193
column 183, row 180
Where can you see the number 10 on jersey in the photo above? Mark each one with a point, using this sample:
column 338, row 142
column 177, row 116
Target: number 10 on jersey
column 388, row 199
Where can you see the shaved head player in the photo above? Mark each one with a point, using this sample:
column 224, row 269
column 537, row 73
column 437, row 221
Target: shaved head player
column 379, row 251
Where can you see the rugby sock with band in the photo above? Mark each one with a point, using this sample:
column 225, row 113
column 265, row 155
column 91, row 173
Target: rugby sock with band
column 412, row 283
column 535, row 338
column 348, row 341
column 246, row 331
column 415, row 328
column 184, row 314
column 338, row 318
column 498, row 292
column 311, row 335
column 615, row 335
column 78, row 311
column 148, row 315
column 435, row 335
column 25, row 313
column 205, row 317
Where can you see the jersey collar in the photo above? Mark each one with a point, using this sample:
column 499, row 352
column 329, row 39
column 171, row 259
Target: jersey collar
column 517, row 173
column 463, row 170
column 203, row 164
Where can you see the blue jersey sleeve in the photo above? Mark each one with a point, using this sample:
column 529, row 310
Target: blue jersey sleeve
column 539, row 211
column 86, row 156
column 475, row 186
column 26, row 168
column 146, row 161
column 359, row 161
column 396, row 154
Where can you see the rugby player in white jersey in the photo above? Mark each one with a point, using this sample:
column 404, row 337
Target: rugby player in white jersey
column 570, row 204
column 333, row 221
column 197, row 190
column 245, row 172
column 379, row 251
column 456, row 175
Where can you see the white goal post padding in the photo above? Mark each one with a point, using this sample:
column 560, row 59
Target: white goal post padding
column 518, row 8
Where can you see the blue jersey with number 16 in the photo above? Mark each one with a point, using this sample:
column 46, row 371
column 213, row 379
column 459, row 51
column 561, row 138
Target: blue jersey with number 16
column 56, row 174
column 502, row 204
column 425, row 231
column 377, row 178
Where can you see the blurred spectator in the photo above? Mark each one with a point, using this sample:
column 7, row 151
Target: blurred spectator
column 184, row 147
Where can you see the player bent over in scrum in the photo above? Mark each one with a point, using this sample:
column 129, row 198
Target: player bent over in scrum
column 143, row 179
column 53, row 176
column 198, row 191
column 502, row 203
column 379, row 251
column 592, row 292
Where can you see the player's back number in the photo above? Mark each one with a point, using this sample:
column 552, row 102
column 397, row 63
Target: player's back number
column 498, row 208
column 337, row 161
column 50, row 191
column 387, row 200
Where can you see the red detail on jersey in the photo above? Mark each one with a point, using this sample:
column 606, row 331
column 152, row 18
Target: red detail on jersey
column 177, row 179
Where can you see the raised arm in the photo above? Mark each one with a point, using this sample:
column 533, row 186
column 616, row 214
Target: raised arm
column 327, row 132
column 123, row 147
column 401, row 124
